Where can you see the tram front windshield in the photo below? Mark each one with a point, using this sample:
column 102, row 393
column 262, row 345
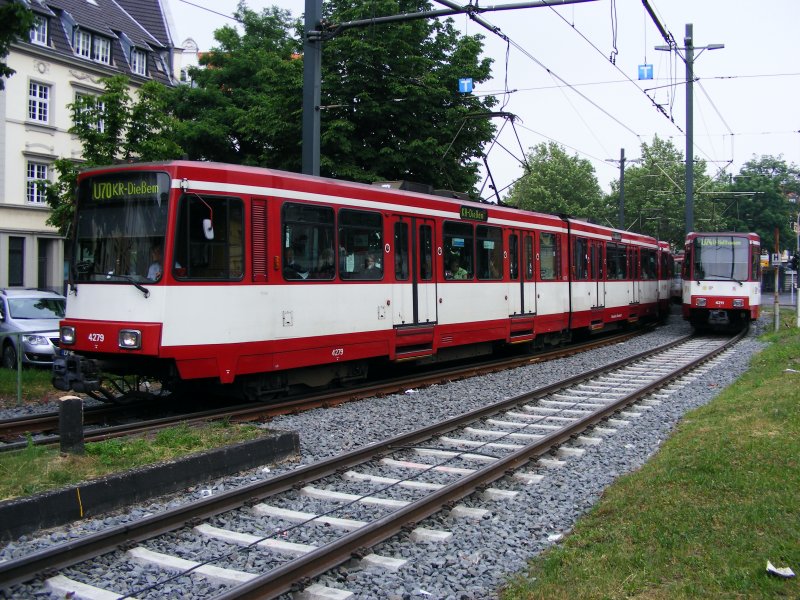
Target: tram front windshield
column 120, row 225
column 721, row 257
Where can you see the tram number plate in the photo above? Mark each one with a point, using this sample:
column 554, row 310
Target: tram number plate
column 96, row 337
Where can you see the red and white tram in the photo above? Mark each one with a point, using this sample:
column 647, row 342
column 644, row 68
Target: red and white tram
column 262, row 280
column 721, row 279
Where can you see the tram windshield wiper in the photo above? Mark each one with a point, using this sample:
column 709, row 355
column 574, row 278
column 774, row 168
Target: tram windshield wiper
column 724, row 277
column 130, row 280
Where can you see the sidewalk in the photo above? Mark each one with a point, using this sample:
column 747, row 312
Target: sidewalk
column 786, row 299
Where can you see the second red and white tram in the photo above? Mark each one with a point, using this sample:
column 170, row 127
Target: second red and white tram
column 721, row 279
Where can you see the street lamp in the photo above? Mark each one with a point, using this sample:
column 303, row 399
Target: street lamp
column 689, row 48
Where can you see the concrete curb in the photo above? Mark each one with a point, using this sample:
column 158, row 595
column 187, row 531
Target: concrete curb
column 21, row 516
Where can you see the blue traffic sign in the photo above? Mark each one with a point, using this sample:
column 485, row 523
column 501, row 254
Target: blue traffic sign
column 645, row 71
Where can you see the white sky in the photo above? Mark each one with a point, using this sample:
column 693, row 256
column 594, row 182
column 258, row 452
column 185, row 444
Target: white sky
column 745, row 104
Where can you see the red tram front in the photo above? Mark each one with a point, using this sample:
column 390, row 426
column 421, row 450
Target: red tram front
column 721, row 279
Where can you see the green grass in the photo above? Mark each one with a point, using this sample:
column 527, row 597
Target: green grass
column 36, row 386
column 37, row 469
column 701, row 519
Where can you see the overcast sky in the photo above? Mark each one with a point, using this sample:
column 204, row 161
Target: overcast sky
column 562, row 86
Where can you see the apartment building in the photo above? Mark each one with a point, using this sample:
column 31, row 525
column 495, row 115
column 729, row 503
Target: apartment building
column 72, row 46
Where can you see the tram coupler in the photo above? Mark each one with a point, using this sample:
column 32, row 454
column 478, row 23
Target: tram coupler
column 73, row 372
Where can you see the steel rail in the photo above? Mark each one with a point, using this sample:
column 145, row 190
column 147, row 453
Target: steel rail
column 285, row 578
column 75, row 551
column 252, row 411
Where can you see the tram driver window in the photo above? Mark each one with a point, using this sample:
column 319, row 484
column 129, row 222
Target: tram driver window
column 209, row 240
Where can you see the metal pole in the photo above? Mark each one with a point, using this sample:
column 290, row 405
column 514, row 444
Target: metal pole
column 777, row 300
column 312, row 77
column 621, row 223
column 688, row 42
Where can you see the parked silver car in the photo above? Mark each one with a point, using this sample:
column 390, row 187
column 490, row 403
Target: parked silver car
column 35, row 313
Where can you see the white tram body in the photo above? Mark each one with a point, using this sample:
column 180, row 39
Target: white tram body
column 721, row 279
column 269, row 279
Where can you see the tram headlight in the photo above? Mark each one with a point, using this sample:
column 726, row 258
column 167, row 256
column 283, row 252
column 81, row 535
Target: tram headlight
column 130, row 339
column 701, row 302
column 67, row 335
column 738, row 303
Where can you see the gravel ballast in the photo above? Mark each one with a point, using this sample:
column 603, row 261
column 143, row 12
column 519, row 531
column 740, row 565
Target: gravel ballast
column 481, row 554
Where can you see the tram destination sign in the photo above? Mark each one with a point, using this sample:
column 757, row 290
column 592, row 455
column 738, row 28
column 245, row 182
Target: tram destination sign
column 472, row 213
column 108, row 190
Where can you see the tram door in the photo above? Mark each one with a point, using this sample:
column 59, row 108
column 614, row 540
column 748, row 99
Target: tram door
column 521, row 281
column 414, row 290
column 597, row 273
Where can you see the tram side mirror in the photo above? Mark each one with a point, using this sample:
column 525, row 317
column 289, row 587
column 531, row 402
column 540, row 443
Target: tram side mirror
column 208, row 229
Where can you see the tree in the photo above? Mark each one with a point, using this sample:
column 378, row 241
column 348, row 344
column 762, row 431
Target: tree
column 655, row 194
column 390, row 105
column 394, row 111
column 245, row 105
column 15, row 22
column 558, row 183
column 765, row 185
column 112, row 127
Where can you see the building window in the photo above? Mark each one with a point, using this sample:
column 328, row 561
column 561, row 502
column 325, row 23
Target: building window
column 16, row 261
column 38, row 33
column 92, row 46
column 36, row 172
column 101, row 49
column 38, row 102
column 138, row 62
column 83, row 102
column 83, row 43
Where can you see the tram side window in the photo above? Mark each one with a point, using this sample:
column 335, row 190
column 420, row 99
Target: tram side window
column 615, row 261
column 490, row 252
column 458, row 249
column 755, row 264
column 210, row 238
column 529, row 257
column 307, row 242
column 580, row 259
column 513, row 257
column 426, row 253
column 401, row 251
column 360, row 244
column 648, row 258
column 549, row 257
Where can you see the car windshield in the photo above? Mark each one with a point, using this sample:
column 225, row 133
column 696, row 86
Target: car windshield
column 36, row 308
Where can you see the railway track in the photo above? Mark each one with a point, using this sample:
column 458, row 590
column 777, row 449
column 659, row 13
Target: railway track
column 19, row 433
column 291, row 528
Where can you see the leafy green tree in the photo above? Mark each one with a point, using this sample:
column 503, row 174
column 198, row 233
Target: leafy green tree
column 390, row 102
column 764, row 187
column 391, row 92
column 112, row 127
column 556, row 182
column 15, row 23
column 655, row 194
column 245, row 104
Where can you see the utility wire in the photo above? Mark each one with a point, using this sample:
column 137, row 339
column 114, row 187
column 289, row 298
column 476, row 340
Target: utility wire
column 658, row 107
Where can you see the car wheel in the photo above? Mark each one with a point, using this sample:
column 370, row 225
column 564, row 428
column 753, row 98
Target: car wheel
column 9, row 356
